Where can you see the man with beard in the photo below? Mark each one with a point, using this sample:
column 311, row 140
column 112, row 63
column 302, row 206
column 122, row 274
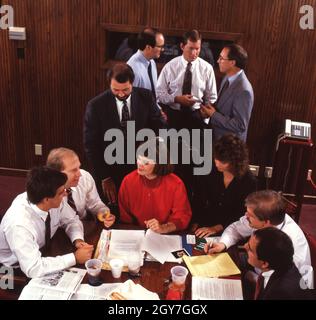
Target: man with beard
column 113, row 109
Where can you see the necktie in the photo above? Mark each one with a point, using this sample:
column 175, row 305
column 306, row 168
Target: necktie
column 151, row 81
column 47, row 232
column 259, row 286
column 125, row 114
column 71, row 201
column 187, row 81
column 224, row 88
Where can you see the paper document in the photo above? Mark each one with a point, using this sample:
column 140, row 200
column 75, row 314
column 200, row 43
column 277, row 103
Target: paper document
column 160, row 246
column 125, row 242
column 87, row 292
column 60, row 285
column 217, row 265
column 216, row 289
column 118, row 244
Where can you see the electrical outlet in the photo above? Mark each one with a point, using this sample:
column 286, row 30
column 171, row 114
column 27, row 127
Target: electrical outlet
column 309, row 175
column 38, row 150
column 268, row 172
column 254, row 170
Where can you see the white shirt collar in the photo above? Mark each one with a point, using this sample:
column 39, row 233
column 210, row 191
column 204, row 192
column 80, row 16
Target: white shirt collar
column 266, row 275
column 120, row 102
column 185, row 62
column 231, row 79
column 40, row 212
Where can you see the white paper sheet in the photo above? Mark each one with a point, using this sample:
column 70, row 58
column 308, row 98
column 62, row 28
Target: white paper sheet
column 160, row 246
column 216, row 289
column 87, row 292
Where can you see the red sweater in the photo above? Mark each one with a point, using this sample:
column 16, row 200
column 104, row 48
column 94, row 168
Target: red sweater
column 163, row 198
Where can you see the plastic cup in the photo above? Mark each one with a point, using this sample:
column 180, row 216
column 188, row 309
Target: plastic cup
column 179, row 274
column 116, row 267
column 94, row 267
column 134, row 263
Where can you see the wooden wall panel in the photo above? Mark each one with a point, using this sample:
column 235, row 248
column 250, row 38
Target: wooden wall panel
column 43, row 97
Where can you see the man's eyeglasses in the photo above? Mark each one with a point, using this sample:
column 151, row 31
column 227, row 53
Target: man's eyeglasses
column 160, row 47
column 222, row 58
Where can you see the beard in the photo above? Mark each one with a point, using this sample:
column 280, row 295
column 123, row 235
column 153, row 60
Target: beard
column 122, row 98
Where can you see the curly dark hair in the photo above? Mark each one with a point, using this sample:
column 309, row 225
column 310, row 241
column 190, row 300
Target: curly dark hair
column 229, row 148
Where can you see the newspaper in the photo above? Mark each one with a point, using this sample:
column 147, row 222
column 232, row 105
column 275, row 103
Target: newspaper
column 60, row 285
column 87, row 292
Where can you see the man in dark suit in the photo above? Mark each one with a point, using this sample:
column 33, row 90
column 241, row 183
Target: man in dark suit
column 232, row 110
column 115, row 109
column 271, row 250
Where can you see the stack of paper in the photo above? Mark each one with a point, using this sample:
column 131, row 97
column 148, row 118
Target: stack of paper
column 123, row 243
column 160, row 246
column 118, row 244
column 216, row 289
column 217, row 265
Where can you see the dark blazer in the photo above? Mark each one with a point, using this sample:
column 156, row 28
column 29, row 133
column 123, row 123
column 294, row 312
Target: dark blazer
column 101, row 115
column 233, row 109
column 285, row 286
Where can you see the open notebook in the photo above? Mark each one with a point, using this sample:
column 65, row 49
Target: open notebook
column 123, row 243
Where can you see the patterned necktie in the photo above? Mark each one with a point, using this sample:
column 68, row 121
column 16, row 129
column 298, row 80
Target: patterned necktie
column 187, row 81
column 224, row 88
column 151, row 81
column 47, row 232
column 259, row 286
column 125, row 114
column 71, row 201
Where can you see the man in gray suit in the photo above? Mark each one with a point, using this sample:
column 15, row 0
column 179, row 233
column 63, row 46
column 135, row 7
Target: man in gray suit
column 232, row 110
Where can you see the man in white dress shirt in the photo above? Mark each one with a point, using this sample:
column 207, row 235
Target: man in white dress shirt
column 181, row 99
column 24, row 228
column 265, row 209
column 82, row 192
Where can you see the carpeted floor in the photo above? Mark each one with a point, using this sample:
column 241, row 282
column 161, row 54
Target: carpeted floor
column 10, row 187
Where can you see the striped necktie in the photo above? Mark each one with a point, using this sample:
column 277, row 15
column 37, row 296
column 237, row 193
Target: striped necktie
column 71, row 201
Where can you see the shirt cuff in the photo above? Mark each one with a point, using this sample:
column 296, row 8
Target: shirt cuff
column 226, row 241
column 207, row 120
column 76, row 236
column 69, row 260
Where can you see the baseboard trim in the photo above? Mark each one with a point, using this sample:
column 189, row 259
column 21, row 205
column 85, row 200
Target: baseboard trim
column 13, row 172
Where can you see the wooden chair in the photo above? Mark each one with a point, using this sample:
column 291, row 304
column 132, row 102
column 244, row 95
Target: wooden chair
column 290, row 168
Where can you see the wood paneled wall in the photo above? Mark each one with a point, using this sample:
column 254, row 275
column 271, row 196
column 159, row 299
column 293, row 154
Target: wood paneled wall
column 43, row 96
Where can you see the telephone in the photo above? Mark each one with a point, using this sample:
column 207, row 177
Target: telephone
column 298, row 130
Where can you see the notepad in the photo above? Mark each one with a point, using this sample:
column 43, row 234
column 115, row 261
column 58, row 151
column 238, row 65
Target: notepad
column 217, row 265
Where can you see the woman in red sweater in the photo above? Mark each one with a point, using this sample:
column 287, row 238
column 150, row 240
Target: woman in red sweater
column 153, row 197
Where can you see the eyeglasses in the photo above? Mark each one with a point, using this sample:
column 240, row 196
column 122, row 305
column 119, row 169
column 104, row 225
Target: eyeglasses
column 160, row 47
column 221, row 58
column 144, row 161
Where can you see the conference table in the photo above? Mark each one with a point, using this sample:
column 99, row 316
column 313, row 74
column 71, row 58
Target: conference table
column 154, row 276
